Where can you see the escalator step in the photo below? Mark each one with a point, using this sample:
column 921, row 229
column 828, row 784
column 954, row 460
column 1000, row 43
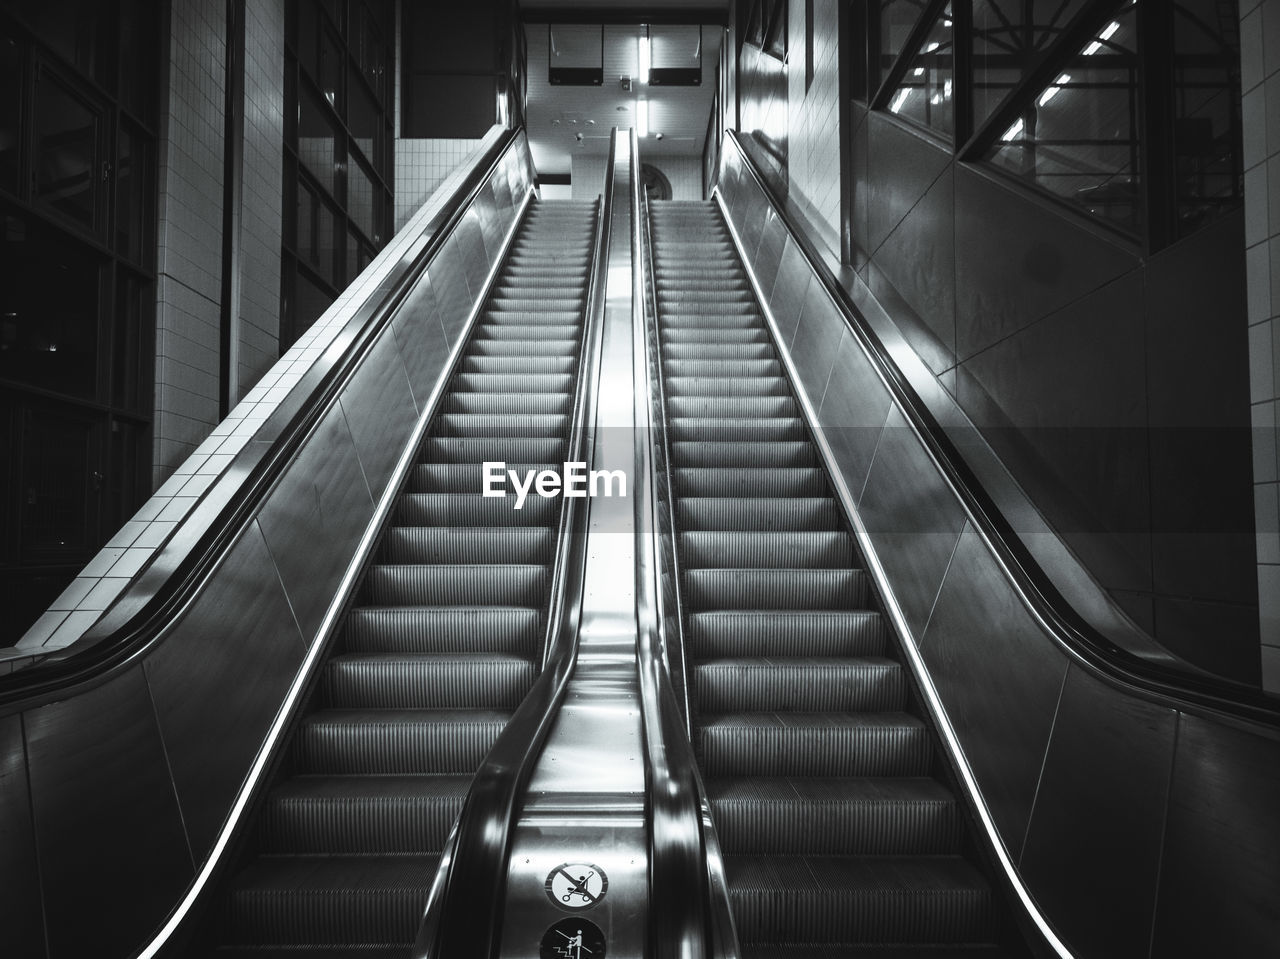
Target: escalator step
column 814, row 744
column 493, row 402
column 789, row 632
column 347, row 742
column 468, row 545
column 712, row 386
column 463, row 477
column 529, row 385
column 724, row 352
column 677, row 320
column 517, row 364
column 747, row 455
column 512, row 449
column 553, row 344
column 835, row 817
column 692, row 336
column 497, row 319
column 427, row 680
column 343, row 900
column 731, row 406
column 346, row 815
column 489, row 585
column 793, row 550
column 476, row 425
column 765, row 589
column 757, row 513
column 748, row 481
column 718, row 368
column 777, row 429
column 812, row 684
column 785, row 899
column 443, row 629
column 474, row 509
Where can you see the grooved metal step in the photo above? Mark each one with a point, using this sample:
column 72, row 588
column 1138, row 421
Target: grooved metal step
column 444, row 641
column 837, row 841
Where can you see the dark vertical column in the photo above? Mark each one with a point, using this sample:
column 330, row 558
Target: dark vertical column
column 232, row 197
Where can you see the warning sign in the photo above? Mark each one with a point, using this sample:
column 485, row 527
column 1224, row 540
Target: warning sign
column 572, row 939
column 577, row 885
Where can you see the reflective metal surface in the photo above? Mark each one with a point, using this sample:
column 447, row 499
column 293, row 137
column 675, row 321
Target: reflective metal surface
column 465, row 911
column 138, row 775
column 1055, row 743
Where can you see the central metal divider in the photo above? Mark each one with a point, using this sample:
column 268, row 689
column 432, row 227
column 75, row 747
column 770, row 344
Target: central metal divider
column 578, row 866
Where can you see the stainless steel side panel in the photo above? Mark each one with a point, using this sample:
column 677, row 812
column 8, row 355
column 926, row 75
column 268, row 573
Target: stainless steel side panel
column 1125, row 826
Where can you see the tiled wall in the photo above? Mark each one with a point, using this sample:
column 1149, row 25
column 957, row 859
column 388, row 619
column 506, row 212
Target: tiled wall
column 1260, row 82
column 190, row 235
column 263, row 188
column 813, row 116
column 421, row 166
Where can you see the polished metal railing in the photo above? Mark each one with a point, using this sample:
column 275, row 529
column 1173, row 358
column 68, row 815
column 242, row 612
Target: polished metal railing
column 463, row 917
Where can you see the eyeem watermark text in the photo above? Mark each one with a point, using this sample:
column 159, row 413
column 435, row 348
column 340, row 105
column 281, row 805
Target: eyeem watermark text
column 575, row 481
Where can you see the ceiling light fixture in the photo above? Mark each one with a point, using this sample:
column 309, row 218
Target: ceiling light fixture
column 642, row 118
column 644, row 56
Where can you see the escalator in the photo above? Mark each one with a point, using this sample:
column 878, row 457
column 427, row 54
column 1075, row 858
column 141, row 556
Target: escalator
column 444, row 639
column 840, row 834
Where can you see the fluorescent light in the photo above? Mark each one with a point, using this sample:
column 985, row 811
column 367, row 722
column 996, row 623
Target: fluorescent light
column 1106, row 34
column 899, row 100
column 644, row 57
column 1054, row 90
column 1014, row 131
column 642, row 118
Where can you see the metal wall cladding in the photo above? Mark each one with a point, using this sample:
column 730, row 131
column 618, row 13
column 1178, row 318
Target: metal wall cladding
column 19, row 869
column 1137, row 831
column 113, row 855
column 218, row 681
column 1220, row 875
column 1093, row 847
column 1001, row 679
column 131, row 782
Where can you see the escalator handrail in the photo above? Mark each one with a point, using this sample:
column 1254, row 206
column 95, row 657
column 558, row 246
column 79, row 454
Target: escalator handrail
column 1202, row 694
column 688, row 900
column 127, row 631
column 463, row 915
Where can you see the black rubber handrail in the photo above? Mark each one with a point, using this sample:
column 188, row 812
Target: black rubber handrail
column 1196, row 693
column 463, row 917
column 129, row 629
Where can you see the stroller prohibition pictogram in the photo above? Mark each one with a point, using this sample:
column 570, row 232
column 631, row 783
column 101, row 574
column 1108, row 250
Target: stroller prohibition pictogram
column 576, row 885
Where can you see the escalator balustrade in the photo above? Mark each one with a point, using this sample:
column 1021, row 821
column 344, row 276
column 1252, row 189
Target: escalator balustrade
column 838, row 838
column 443, row 642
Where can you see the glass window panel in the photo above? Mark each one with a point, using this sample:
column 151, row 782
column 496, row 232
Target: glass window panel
column 137, row 58
column 48, row 311
column 1078, row 137
column 82, row 31
column 316, row 242
column 59, row 484
column 897, row 18
column 354, row 262
column 66, row 150
column 128, row 347
column 1206, row 125
column 318, row 140
column 133, row 198
column 364, row 120
column 332, row 71
column 309, row 38
column 370, row 51
column 312, row 301
column 1008, row 37
column 10, row 114
column 925, row 94
column 361, row 200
